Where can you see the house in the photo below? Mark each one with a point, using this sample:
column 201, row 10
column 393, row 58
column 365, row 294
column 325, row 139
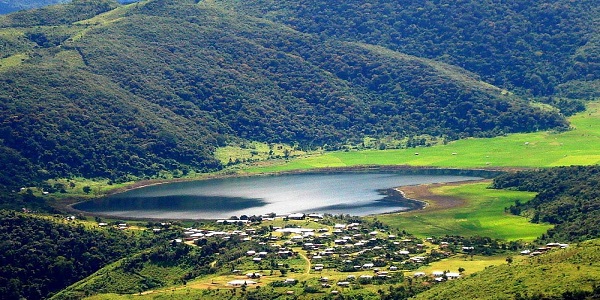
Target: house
column 253, row 275
column 296, row 216
column 437, row 273
column 236, row 283
column 452, row 275
column 284, row 253
column 290, row 281
column 343, row 283
column 368, row 266
column 315, row 216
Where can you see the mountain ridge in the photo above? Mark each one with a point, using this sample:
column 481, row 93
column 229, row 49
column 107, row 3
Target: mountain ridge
column 218, row 75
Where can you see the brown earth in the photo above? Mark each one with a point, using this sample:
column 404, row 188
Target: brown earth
column 433, row 201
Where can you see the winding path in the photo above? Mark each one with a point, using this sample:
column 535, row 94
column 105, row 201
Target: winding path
column 308, row 264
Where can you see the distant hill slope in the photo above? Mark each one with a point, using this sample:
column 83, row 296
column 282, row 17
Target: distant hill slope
column 532, row 46
column 95, row 89
column 8, row 6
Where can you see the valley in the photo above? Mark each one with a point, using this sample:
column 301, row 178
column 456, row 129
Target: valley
column 99, row 98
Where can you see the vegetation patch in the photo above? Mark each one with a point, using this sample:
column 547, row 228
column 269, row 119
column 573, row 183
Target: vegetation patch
column 483, row 213
column 531, row 150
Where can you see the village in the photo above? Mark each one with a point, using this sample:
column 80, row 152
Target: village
column 326, row 253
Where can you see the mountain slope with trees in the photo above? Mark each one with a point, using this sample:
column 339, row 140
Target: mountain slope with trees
column 568, row 197
column 530, row 46
column 8, row 6
column 41, row 256
column 132, row 90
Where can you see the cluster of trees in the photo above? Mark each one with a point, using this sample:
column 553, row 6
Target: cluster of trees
column 163, row 265
column 73, row 11
column 72, row 123
column 529, row 45
column 567, row 196
column 40, row 256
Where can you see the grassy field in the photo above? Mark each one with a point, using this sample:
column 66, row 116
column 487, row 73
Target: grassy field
column 470, row 264
column 572, row 269
column 539, row 149
column 481, row 215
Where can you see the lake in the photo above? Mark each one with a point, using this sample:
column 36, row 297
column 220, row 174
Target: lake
column 354, row 193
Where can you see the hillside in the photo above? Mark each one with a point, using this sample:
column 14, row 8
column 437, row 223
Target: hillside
column 571, row 273
column 125, row 92
column 8, row 6
column 42, row 255
column 567, row 197
column 535, row 47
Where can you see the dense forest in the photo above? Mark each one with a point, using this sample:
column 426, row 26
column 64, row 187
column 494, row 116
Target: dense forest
column 41, row 256
column 127, row 91
column 530, row 46
column 568, row 197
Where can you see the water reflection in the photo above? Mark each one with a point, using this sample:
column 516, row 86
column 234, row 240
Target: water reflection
column 337, row 193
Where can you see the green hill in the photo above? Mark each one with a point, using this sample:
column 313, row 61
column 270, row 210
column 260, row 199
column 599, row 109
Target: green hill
column 8, row 6
column 97, row 89
column 571, row 273
column 532, row 46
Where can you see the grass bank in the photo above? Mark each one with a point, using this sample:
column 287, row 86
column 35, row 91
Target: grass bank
column 476, row 211
column 528, row 150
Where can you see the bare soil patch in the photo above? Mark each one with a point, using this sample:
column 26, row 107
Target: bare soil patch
column 434, row 201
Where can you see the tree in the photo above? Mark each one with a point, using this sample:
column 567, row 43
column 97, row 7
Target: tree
column 87, row 189
column 509, row 260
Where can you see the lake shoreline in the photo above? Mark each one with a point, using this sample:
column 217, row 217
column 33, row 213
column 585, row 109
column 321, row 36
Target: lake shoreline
column 432, row 201
column 406, row 194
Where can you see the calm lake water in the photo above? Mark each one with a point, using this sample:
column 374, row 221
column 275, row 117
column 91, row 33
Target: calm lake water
column 360, row 194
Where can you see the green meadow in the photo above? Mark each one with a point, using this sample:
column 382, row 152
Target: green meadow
column 578, row 146
column 482, row 215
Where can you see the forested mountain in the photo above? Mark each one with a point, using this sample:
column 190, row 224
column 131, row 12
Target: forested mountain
column 533, row 46
column 98, row 89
